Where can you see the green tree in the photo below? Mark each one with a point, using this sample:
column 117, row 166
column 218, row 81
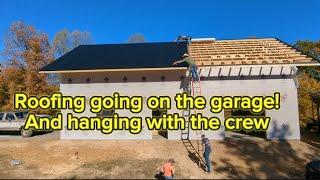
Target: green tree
column 311, row 48
column 307, row 79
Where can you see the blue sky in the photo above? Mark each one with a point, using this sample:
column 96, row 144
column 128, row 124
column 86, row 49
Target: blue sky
column 113, row 21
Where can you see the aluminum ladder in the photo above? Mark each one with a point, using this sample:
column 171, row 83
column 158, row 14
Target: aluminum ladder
column 195, row 90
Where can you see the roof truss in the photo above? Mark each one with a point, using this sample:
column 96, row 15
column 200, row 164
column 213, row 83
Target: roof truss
column 246, row 51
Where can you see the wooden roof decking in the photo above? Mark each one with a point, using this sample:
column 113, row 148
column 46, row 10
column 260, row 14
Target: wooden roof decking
column 246, row 51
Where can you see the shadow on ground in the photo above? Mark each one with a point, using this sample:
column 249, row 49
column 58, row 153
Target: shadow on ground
column 277, row 159
column 193, row 153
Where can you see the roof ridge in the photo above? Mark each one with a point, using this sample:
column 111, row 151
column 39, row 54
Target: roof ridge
column 142, row 43
column 247, row 39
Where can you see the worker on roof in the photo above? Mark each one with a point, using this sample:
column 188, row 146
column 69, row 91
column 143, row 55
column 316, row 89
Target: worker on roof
column 192, row 66
column 167, row 169
column 207, row 151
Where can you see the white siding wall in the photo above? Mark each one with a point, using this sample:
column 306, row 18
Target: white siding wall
column 284, row 124
column 134, row 87
column 285, row 121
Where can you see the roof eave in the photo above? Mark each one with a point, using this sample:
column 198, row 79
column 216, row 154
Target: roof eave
column 110, row 70
column 270, row 64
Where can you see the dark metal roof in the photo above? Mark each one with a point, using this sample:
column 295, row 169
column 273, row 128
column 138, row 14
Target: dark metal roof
column 120, row 56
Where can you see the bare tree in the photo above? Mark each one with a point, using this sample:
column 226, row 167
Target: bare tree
column 136, row 38
column 64, row 41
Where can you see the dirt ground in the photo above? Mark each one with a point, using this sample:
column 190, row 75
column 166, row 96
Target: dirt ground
column 310, row 137
column 235, row 157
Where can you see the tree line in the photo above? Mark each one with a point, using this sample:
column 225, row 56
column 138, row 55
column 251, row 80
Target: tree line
column 27, row 50
column 308, row 78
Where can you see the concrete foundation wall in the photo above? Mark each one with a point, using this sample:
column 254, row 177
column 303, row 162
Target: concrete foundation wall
column 284, row 123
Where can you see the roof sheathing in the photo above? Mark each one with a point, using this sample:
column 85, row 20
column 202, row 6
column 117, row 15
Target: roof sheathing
column 139, row 56
column 246, row 52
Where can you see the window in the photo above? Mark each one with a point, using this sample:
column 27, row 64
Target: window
column 1, row 116
column 21, row 115
column 10, row 117
column 106, row 113
column 244, row 113
column 158, row 113
column 163, row 78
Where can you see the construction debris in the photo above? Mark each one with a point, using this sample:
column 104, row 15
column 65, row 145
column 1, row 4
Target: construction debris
column 15, row 162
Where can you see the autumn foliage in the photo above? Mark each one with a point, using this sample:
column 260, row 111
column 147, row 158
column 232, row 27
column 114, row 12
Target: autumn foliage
column 307, row 85
column 26, row 51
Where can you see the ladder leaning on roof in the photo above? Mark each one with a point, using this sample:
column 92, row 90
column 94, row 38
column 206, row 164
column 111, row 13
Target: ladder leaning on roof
column 195, row 90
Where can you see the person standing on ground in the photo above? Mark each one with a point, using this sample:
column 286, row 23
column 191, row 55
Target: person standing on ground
column 192, row 66
column 207, row 151
column 168, row 169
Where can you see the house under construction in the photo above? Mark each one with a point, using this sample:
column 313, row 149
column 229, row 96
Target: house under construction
column 242, row 67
